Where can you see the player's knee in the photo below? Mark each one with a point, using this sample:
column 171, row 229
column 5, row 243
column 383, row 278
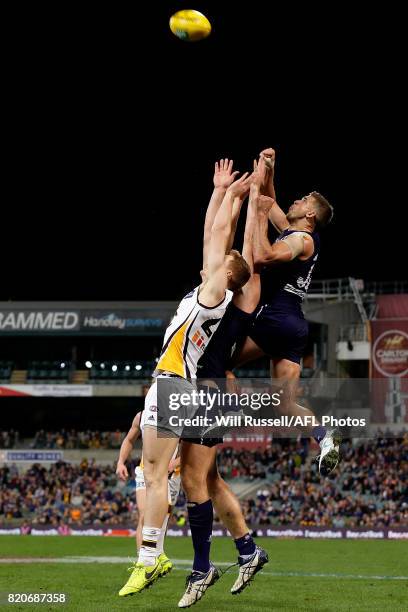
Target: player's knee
column 192, row 482
column 154, row 478
column 154, row 471
column 215, row 483
column 287, row 371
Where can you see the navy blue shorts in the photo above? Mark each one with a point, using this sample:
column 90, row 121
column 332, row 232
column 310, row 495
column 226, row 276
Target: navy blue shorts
column 281, row 335
column 209, row 442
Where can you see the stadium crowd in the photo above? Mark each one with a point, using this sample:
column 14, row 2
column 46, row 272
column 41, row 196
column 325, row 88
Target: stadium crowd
column 369, row 489
column 67, row 493
column 63, row 439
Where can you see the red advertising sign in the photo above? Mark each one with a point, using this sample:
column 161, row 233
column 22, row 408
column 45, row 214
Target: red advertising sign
column 390, row 353
column 248, row 440
column 389, row 370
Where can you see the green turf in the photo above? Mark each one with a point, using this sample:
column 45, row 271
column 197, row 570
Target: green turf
column 94, row 586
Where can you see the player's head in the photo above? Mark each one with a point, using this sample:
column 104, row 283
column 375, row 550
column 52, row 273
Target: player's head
column 238, row 271
column 314, row 208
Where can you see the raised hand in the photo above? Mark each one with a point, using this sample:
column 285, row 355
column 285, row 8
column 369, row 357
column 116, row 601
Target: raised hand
column 268, row 156
column 223, row 174
column 240, row 188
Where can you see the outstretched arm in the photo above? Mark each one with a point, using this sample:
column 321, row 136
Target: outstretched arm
column 265, row 253
column 223, row 177
column 267, row 170
column 247, row 298
column 214, row 287
column 236, row 210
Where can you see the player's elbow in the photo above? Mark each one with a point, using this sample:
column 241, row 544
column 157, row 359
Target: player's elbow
column 265, row 258
column 129, row 440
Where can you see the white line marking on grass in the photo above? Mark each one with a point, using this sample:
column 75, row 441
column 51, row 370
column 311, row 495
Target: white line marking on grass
column 183, row 564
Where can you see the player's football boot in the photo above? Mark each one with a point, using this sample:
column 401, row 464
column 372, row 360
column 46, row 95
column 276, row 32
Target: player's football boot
column 196, row 585
column 142, row 576
column 248, row 567
column 330, row 452
column 166, row 564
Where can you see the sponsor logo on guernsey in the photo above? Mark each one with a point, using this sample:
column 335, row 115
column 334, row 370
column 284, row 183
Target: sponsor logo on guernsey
column 198, row 340
column 291, row 289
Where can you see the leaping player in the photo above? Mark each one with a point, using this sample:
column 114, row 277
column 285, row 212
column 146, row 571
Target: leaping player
column 173, row 490
column 280, row 329
column 197, row 316
column 202, row 483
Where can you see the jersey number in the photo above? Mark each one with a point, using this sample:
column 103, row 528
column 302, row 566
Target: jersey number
column 207, row 325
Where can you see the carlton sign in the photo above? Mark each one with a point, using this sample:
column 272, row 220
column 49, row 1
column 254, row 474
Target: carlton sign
column 390, row 353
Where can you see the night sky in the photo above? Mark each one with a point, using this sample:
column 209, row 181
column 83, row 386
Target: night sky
column 115, row 125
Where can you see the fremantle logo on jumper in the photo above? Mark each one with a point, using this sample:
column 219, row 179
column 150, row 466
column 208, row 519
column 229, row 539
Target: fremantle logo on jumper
column 113, row 321
column 26, row 320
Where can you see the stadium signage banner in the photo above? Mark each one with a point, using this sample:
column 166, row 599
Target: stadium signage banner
column 122, row 321
column 46, row 390
column 38, row 321
column 248, row 441
column 85, row 322
column 389, row 370
column 21, row 456
column 396, row 533
column 390, row 348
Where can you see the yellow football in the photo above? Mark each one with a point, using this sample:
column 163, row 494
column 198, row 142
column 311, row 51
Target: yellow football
column 190, row 25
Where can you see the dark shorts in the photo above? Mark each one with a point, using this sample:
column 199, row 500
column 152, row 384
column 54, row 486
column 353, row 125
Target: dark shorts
column 281, row 335
column 209, row 442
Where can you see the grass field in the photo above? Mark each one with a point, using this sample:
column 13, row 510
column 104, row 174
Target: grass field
column 305, row 575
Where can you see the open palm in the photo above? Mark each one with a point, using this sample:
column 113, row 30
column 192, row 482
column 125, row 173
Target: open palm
column 223, row 174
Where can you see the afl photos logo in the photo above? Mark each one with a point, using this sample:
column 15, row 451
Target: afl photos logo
column 390, row 353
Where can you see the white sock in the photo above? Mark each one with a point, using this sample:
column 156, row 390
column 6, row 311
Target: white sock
column 148, row 549
column 160, row 541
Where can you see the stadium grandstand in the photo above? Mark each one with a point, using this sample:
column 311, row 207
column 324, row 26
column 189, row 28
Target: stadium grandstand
column 279, row 485
column 73, row 375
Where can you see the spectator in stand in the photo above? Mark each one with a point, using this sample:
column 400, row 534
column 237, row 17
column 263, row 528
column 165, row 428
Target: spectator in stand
column 62, row 439
column 370, row 491
column 9, row 439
